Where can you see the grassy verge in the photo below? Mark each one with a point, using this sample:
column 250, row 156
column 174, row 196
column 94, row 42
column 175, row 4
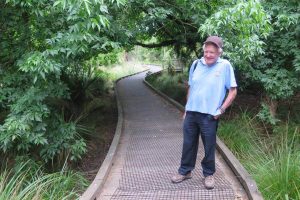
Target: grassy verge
column 123, row 69
column 27, row 181
column 272, row 160
column 173, row 86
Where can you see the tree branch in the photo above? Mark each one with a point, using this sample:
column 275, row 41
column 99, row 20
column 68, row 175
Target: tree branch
column 156, row 45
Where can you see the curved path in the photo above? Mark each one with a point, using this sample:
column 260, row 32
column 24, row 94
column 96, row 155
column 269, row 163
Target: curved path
column 150, row 149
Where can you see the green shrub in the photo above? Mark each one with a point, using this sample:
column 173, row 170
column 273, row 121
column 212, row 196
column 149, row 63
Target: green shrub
column 47, row 74
column 265, row 116
column 107, row 58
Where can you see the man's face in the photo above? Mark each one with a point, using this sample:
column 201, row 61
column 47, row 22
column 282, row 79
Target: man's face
column 211, row 54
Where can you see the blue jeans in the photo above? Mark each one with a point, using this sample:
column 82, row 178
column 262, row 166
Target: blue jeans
column 196, row 123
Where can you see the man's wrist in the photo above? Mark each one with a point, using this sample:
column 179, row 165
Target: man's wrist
column 222, row 110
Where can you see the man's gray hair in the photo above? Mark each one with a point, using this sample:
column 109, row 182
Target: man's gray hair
column 220, row 50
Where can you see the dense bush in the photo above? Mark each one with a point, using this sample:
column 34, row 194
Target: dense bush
column 46, row 74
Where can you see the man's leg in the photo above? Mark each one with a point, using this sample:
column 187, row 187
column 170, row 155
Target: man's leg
column 190, row 144
column 208, row 126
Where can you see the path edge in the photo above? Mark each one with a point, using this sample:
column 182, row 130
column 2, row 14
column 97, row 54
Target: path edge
column 240, row 172
column 96, row 186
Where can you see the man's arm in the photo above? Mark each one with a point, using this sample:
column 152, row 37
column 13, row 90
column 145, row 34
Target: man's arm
column 228, row 101
column 187, row 96
column 187, row 93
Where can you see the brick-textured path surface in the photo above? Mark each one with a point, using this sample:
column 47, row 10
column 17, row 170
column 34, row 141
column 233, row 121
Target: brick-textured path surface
column 150, row 151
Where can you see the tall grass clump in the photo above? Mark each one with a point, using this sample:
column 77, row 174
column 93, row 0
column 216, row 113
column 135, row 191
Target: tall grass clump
column 273, row 160
column 277, row 167
column 28, row 182
column 239, row 134
column 170, row 84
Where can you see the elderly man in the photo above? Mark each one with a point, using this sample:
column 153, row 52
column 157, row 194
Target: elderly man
column 209, row 79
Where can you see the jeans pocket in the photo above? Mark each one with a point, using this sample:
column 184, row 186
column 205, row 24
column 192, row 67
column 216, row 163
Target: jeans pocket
column 211, row 117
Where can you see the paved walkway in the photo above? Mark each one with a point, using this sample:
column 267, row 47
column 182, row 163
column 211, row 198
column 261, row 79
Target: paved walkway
column 150, row 151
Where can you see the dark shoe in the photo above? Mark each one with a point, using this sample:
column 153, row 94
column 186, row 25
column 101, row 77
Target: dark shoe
column 209, row 182
column 177, row 178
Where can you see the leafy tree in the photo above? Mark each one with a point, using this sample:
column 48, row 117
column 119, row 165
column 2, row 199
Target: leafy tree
column 43, row 44
column 278, row 70
column 263, row 41
column 261, row 38
column 172, row 23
